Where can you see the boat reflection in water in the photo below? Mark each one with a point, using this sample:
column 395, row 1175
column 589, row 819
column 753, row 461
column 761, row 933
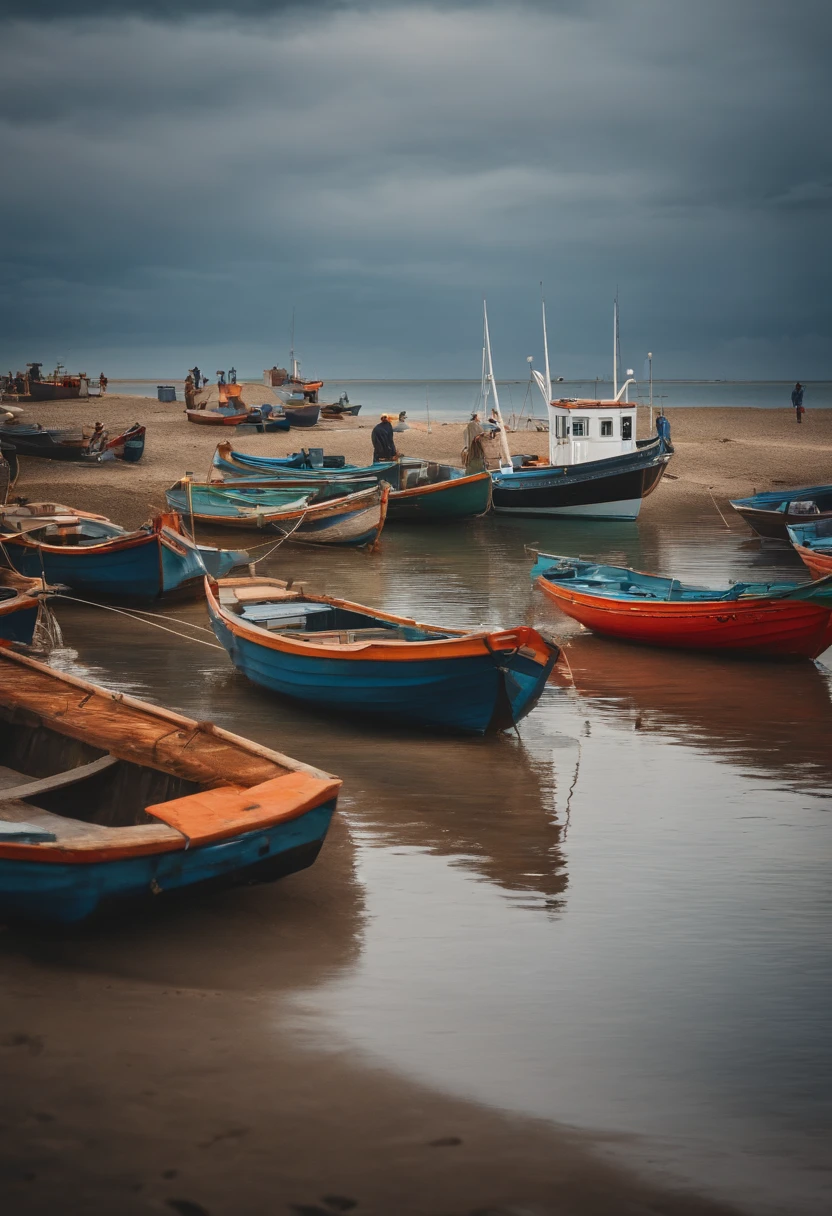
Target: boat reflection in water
column 775, row 720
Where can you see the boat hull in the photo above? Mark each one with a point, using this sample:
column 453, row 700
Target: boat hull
column 42, row 390
column 458, row 685
column 786, row 628
column 302, row 415
column 460, row 498
column 132, row 567
column 18, row 619
column 599, row 489
column 773, row 525
column 69, row 893
column 817, row 561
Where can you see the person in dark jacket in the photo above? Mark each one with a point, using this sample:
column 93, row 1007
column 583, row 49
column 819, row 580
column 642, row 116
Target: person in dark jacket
column 797, row 401
column 384, row 445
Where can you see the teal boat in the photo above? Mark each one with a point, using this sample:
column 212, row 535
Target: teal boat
column 425, row 492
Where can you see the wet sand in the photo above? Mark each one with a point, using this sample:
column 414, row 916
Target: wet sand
column 720, row 454
column 151, row 1066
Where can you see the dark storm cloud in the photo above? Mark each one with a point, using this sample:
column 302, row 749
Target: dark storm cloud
column 381, row 167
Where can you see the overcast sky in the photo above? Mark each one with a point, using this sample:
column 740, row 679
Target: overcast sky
column 177, row 174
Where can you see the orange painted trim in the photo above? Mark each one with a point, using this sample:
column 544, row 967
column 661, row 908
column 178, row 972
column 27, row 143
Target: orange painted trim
column 60, row 854
column 820, row 564
column 419, row 491
column 115, row 544
column 228, row 811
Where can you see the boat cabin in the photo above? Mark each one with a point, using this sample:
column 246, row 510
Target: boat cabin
column 581, row 430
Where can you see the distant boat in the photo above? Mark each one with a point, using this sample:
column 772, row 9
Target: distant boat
column 104, row 797
column 767, row 620
column 60, row 386
column 337, row 410
column 95, row 556
column 813, row 541
column 301, row 414
column 346, row 658
column 53, row 443
column 351, row 519
column 233, row 411
column 772, row 513
column 20, row 600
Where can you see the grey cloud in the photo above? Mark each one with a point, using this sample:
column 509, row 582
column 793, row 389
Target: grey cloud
column 382, row 168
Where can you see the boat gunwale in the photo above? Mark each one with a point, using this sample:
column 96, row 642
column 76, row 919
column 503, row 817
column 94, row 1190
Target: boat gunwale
column 473, row 643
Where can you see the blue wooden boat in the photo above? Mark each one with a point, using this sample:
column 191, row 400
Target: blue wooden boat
column 772, row 513
column 104, row 797
column 351, row 519
column 54, row 443
column 341, row 656
column 95, row 556
column 19, row 608
column 240, row 464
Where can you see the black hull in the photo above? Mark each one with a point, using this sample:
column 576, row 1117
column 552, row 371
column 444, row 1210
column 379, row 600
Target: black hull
column 598, row 489
column 302, row 415
column 39, row 390
column 772, row 525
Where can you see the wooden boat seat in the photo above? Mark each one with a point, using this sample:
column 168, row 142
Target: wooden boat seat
column 45, row 785
column 56, row 832
column 344, row 637
column 265, row 595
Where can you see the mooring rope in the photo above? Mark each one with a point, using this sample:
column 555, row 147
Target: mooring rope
column 141, row 619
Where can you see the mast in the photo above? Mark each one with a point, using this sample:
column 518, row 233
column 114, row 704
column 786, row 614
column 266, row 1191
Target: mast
column 615, row 346
column 507, row 465
column 552, row 436
column 292, row 347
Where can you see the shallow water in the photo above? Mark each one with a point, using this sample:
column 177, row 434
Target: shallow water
column 620, row 920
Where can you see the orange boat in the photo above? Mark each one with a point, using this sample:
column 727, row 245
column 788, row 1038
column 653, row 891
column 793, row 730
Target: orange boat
column 764, row 620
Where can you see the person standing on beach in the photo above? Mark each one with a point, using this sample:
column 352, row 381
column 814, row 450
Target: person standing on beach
column 797, row 401
column 384, row 445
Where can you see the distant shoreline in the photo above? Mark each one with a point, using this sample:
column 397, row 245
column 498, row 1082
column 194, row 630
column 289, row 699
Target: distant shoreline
column 371, row 380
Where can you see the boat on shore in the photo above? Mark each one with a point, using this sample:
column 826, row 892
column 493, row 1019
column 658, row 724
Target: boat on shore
column 104, row 797
column 60, row 386
column 337, row 410
column 54, row 443
column 762, row 620
column 300, row 413
column 350, row 519
column 813, row 542
column 344, row 657
column 97, row 557
column 421, row 490
column 772, row 513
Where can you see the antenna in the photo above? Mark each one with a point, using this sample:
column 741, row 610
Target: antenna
column 615, row 341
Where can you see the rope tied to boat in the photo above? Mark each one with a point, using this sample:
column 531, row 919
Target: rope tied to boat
column 134, row 615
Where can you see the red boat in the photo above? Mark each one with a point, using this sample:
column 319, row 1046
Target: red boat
column 762, row 620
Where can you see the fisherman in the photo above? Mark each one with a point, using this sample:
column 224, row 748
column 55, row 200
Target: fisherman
column 220, row 378
column 232, row 375
column 197, row 375
column 102, row 383
column 797, row 401
column 98, row 439
column 190, row 400
column 402, row 423
column 384, row 445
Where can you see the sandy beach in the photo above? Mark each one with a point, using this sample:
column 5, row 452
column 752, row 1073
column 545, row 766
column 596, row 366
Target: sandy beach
column 720, row 454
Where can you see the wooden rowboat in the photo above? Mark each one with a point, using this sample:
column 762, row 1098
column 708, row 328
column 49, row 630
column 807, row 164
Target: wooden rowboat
column 769, row 620
column 93, row 555
column 341, row 656
column 813, row 541
column 772, row 513
column 53, row 443
column 105, row 797
column 351, row 519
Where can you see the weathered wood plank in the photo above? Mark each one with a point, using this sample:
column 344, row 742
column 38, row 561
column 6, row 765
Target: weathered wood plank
column 59, row 780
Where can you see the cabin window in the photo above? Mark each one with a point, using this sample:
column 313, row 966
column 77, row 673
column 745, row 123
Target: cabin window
column 626, row 428
column 561, row 426
column 606, row 428
column 580, row 428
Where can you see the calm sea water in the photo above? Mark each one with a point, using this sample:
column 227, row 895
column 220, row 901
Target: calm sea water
column 619, row 920
column 454, row 399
